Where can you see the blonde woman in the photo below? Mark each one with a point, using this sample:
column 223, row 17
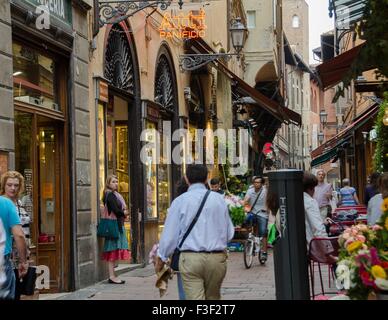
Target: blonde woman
column 115, row 208
column 12, row 185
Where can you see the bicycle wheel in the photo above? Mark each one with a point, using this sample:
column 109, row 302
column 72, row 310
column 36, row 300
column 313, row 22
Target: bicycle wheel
column 248, row 253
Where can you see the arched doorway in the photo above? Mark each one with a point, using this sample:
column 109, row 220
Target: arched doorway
column 119, row 125
column 166, row 97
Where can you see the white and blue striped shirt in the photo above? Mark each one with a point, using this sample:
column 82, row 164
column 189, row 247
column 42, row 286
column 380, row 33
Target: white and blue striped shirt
column 212, row 231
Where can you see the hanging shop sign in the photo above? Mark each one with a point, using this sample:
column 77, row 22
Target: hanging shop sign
column 60, row 11
column 190, row 26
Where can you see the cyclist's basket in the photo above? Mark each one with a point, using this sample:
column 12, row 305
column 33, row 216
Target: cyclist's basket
column 241, row 233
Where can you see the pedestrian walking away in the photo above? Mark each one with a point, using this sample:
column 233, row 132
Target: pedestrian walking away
column 348, row 195
column 203, row 259
column 323, row 194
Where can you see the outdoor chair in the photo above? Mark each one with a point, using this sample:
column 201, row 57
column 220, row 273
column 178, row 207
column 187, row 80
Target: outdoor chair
column 322, row 251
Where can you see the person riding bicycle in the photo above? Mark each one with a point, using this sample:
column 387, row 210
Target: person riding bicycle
column 255, row 204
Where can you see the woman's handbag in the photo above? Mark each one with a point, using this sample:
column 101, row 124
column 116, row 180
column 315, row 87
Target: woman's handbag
column 26, row 285
column 108, row 228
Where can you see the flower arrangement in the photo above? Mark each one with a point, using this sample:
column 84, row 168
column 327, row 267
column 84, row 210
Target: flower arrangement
column 362, row 268
column 236, row 209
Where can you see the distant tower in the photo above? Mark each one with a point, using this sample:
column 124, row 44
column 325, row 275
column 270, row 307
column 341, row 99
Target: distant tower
column 296, row 26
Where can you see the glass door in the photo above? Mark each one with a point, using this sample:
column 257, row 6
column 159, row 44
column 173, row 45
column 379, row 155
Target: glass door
column 38, row 160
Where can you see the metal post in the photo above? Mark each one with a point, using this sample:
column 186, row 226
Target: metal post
column 290, row 251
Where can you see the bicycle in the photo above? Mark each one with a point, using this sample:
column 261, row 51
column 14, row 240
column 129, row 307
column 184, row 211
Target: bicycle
column 252, row 247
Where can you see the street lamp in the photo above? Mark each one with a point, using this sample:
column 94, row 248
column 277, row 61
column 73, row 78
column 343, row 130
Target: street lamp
column 238, row 32
column 321, row 137
column 190, row 62
column 323, row 117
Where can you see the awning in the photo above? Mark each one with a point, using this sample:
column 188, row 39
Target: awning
column 347, row 12
column 283, row 114
column 334, row 70
column 324, row 157
column 274, row 108
column 329, row 149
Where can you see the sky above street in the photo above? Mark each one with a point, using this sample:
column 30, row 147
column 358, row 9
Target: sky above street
column 319, row 23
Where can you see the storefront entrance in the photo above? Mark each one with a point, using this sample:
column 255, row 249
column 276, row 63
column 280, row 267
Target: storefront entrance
column 39, row 157
column 114, row 150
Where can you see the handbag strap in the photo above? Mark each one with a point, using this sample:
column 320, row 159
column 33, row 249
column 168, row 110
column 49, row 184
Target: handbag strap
column 195, row 218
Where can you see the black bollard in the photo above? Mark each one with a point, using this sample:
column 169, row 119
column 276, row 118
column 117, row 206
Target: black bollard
column 290, row 251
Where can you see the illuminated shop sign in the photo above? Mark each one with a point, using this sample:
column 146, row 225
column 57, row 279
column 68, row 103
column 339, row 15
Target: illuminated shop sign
column 190, row 26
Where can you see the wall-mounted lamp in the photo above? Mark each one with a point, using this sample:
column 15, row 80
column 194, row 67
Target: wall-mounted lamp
column 365, row 135
column 321, row 137
column 323, row 117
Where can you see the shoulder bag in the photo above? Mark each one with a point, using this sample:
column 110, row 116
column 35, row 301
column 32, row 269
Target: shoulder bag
column 174, row 265
column 250, row 215
column 108, row 227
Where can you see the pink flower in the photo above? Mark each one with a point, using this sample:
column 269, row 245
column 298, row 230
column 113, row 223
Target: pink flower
column 349, row 241
column 354, row 232
column 376, row 227
column 346, row 235
column 374, row 257
column 361, row 238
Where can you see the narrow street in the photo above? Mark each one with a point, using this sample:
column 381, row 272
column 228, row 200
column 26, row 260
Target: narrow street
column 257, row 283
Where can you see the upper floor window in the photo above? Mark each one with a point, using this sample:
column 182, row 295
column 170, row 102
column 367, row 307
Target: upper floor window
column 295, row 21
column 251, row 19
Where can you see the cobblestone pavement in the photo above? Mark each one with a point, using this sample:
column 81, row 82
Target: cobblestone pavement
column 256, row 283
column 239, row 284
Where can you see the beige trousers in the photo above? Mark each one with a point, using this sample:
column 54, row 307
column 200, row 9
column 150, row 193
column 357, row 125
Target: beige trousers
column 202, row 274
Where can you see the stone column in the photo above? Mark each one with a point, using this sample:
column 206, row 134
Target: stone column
column 85, row 237
column 7, row 138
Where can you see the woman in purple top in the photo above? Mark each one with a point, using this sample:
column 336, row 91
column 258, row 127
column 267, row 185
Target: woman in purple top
column 372, row 188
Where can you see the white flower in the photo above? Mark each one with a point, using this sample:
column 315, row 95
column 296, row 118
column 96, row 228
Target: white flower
column 381, row 283
column 343, row 276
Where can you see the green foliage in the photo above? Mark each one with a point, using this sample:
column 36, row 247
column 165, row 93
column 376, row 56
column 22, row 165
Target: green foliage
column 237, row 214
column 374, row 54
column 381, row 153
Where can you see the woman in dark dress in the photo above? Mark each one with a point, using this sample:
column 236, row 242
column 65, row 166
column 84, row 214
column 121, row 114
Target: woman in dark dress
column 116, row 209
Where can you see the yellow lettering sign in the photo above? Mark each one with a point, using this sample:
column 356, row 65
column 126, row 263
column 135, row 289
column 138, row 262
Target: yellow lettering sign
column 183, row 26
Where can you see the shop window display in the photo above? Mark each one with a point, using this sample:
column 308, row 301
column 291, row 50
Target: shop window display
column 34, row 78
column 151, row 175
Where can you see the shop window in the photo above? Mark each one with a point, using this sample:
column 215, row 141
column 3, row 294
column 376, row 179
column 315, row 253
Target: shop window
column 101, row 152
column 34, row 78
column 164, row 182
column 151, row 173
